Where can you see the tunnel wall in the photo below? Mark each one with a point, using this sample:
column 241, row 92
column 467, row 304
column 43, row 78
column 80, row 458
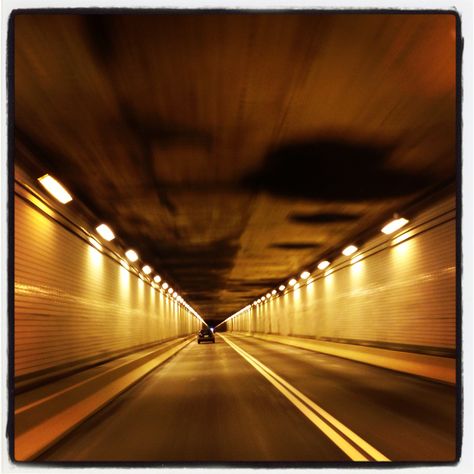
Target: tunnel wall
column 401, row 295
column 75, row 305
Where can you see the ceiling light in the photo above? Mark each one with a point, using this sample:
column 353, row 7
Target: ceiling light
column 175, row 294
column 292, row 282
column 281, row 287
column 305, row 275
column 157, row 278
column 349, row 250
column 165, row 285
column 131, row 255
column 146, row 269
column 274, row 292
column 170, row 290
column 105, row 232
column 394, row 225
column 55, row 188
column 268, row 295
column 324, row 264
column 263, row 298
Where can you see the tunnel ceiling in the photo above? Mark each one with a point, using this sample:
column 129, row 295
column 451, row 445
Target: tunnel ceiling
column 233, row 150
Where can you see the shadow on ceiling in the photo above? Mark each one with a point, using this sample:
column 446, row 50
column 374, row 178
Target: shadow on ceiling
column 320, row 218
column 295, row 245
column 335, row 170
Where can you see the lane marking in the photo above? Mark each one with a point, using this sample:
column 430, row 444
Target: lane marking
column 54, row 395
column 317, row 415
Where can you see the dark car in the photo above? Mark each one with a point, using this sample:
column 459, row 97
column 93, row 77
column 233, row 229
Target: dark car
column 206, row 335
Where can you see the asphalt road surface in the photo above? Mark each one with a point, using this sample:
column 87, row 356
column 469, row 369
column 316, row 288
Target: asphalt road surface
column 268, row 403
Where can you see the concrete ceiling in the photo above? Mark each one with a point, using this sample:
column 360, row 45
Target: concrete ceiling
column 232, row 150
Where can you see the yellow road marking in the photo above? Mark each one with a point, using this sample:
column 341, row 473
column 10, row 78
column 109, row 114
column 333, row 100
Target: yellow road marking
column 317, row 415
column 83, row 382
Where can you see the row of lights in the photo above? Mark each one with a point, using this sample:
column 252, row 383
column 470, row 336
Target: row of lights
column 392, row 226
column 59, row 192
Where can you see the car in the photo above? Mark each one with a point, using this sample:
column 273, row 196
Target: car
column 206, row 335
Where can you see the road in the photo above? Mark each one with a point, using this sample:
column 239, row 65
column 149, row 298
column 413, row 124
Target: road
column 255, row 401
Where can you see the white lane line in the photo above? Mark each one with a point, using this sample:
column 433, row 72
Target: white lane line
column 317, row 415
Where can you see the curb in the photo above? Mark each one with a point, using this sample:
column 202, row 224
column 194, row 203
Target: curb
column 59, row 415
column 441, row 369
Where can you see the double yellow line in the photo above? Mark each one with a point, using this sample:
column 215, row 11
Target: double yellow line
column 345, row 439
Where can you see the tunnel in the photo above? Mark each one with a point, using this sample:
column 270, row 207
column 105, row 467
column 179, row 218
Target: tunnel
column 234, row 238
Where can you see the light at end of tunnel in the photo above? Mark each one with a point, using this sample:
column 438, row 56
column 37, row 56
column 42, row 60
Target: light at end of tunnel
column 105, row 232
column 281, row 287
column 356, row 259
column 157, row 279
column 170, row 290
column 349, row 250
column 394, row 225
column 292, row 282
column 131, row 255
column 95, row 243
column 274, row 292
column 324, row 264
column 147, row 269
column 165, row 285
column 55, row 188
column 305, row 275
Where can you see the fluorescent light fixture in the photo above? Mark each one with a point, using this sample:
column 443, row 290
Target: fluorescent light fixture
column 281, row 287
column 349, row 250
column 268, row 295
column 165, row 285
column 131, row 255
column 394, row 225
column 324, row 264
column 95, row 243
column 170, row 290
column 105, row 232
column 274, row 292
column 157, row 278
column 292, row 282
column 55, row 188
column 146, row 269
column 305, row 275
